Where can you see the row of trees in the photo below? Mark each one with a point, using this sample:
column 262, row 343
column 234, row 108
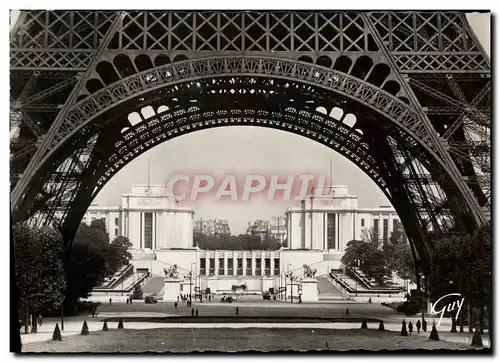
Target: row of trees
column 232, row 242
column 463, row 264
column 48, row 278
column 377, row 262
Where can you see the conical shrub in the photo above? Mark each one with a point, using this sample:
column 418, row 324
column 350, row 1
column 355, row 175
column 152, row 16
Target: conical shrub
column 434, row 334
column 363, row 324
column 56, row 336
column 85, row 329
column 105, row 326
column 477, row 341
column 120, row 324
column 381, row 326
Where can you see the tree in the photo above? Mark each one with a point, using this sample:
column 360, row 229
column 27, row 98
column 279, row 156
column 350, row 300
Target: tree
column 39, row 269
column 118, row 253
column 374, row 266
column 88, row 263
column 371, row 237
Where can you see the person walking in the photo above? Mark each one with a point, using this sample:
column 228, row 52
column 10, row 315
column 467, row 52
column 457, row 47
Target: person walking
column 237, row 311
column 418, row 326
column 410, row 327
column 175, row 305
column 424, row 326
column 109, row 301
column 192, row 311
column 197, row 312
column 347, row 312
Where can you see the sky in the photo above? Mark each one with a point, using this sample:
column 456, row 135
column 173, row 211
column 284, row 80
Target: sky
column 244, row 150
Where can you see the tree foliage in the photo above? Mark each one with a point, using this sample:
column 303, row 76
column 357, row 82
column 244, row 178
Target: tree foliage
column 378, row 261
column 91, row 259
column 466, row 261
column 39, row 269
column 240, row 242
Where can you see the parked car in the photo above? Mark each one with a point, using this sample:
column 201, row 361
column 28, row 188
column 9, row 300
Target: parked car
column 266, row 296
column 150, row 300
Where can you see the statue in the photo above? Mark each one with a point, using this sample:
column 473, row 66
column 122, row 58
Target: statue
column 308, row 272
column 171, row 272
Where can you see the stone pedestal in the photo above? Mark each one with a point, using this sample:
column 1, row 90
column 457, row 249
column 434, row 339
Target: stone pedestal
column 267, row 282
column 309, row 290
column 172, row 289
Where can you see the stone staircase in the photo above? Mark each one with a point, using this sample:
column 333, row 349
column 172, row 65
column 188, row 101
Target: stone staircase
column 326, row 290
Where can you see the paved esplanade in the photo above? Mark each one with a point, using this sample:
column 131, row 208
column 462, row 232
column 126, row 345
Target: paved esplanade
column 392, row 320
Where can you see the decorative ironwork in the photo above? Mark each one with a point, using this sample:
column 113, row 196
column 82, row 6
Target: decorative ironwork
column 417, row 82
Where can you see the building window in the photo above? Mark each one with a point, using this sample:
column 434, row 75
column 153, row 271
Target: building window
column 212, row 266
column 239, row 270
column 375, row 228
column 385, row 230
column 331, row 231
column 267, row 267
column 249, row 266
column 276, row 267
column 258, row 266
column 230, row 266
column 203, row 266
column 221, row 266
column 362, row 222
column 148, row 230
column 116, row 221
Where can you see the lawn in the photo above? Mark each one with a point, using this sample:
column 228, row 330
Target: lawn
column 231, row 340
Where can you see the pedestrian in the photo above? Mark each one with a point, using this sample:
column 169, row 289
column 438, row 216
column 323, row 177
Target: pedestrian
column 237, row 311
column 40, row 320
column 300, row 299
column 197, row 312
column 370, row 300
column 418, row 326
column 347, row 312
column 410, row 327
column 177, row 298
column 175, row 305
column 424, row 326
column 109, row 301
column 192, row 311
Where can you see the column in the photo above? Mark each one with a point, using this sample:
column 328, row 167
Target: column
column 253, row 263
column 235, row 264
column 262, row 264
column 225, row 264
column 380, row 227
column 244, row 264
column 341, row 239
column 216, row 264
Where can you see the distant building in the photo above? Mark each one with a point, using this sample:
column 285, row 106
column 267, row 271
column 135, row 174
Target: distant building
column 274, row 228
column 212, row 227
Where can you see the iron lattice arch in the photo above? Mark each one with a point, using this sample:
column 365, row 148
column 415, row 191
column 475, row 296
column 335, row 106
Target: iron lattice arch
column 418, row 83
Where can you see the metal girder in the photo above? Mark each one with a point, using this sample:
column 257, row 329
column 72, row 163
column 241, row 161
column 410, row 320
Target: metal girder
column 470, row 200
column 28, row 87
column 31, row 124
column 22, row 183
column 447, row 99
column 46, row 92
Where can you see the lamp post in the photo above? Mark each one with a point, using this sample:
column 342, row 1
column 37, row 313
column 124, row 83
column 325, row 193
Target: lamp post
column 190, row 281
column 291, row 285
